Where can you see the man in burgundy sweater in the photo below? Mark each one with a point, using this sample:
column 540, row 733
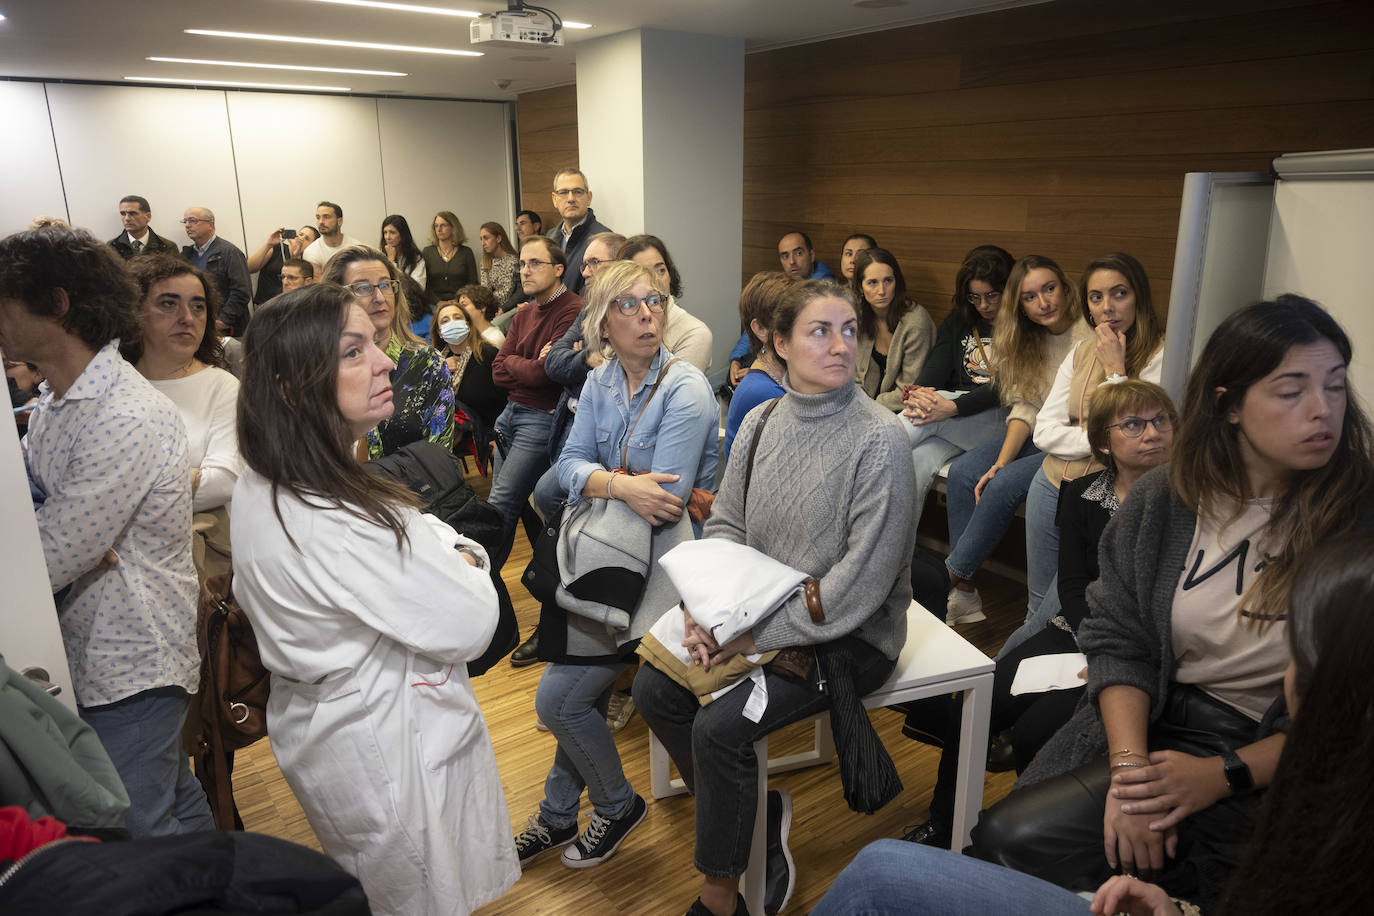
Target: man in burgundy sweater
column 519, row 368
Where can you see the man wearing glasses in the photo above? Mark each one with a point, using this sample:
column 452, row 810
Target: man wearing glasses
column 295, row 273
column 519, row 368
column 225, row 264
column 572, row 198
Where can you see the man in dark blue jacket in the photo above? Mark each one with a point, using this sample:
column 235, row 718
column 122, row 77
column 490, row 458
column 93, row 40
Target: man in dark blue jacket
column 572, row 197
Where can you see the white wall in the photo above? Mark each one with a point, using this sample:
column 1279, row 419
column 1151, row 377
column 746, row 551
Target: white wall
column 610, row 129
column 259, row 160
column 29, row 180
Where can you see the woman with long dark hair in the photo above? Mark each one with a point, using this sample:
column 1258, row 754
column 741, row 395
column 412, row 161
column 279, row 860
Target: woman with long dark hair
column 953, row 405
column 400, row 247
column 468, row 353
column 895, row 333
column 1185, row 643
column 365, row 612
column 1308, row 853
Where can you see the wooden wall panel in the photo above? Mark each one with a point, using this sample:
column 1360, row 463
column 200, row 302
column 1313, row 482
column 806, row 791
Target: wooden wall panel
column 547, row 135
column 1062, row 129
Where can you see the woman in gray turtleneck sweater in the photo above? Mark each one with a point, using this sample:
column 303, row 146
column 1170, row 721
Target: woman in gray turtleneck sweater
column 819, row 500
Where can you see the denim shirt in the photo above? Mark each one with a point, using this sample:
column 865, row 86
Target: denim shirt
column 677, row 434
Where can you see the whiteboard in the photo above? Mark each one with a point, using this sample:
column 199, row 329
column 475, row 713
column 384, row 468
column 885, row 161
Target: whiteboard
column 1321, row 244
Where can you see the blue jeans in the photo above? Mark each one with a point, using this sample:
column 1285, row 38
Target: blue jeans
column 527, row 435
column 933, row 444
column 571, row 701
column 975, row 529
column 549, row 492
column 893, row 878
column 1036, row 620
column 1042, row 543
column 142, row 735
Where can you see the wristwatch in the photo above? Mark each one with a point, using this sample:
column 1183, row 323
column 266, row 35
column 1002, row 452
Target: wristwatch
column 1238, row 777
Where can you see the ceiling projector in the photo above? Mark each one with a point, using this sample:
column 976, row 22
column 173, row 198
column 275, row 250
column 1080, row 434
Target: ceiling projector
column 520, row 24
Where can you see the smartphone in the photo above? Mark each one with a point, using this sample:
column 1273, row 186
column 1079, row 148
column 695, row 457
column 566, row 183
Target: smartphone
column 288, row 233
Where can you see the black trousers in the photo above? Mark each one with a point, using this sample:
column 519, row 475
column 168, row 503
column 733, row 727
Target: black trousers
column 1032, row 717
column 1053, row 829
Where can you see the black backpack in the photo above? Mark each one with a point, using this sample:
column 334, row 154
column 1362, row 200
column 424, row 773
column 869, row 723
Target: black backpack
column 435, row 475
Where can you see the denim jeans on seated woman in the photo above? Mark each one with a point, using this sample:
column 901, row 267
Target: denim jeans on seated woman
column 893, row 878
column 933, row 444
column 975, row 529
column 571, row 701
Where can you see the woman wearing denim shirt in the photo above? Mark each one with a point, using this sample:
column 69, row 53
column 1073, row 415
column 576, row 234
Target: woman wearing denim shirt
column 645, row 434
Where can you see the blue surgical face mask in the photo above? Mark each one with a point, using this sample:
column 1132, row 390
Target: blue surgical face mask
column 455, row 332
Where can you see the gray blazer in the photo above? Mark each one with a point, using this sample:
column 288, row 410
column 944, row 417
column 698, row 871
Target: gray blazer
column 911, row 343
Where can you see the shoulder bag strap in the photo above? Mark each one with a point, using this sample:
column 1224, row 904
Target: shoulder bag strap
column 754, row 447
column 625, row 451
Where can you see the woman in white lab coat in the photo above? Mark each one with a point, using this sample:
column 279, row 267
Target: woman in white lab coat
column 365, row 613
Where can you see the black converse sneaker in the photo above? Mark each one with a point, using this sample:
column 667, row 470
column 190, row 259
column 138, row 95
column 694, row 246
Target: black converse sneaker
column 538, row 838
column 603, row 837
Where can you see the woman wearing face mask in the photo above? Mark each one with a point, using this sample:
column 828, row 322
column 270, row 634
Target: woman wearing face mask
column 1158, row 771
column 468, row 354
column 365, row 612
column 1038, row 325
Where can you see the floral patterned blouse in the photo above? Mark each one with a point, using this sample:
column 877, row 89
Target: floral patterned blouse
column 422, row 390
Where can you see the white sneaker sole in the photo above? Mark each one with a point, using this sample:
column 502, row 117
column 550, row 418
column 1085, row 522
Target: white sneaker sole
column 592, row 863
column 971, row 617
column 785, row 828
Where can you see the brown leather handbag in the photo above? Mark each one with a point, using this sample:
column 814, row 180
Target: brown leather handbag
column 233, row 695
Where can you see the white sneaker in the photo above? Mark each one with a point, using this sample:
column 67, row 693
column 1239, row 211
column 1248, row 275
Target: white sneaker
column 964, row 607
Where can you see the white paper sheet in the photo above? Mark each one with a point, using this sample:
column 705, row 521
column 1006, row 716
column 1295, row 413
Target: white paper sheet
column 1048, row 672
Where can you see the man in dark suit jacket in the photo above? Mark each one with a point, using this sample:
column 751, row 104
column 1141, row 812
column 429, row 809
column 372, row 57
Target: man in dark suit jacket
column 137, row 238
column 224, row 262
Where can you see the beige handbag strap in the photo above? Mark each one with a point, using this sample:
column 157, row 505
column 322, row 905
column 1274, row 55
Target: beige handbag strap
column 625, row 451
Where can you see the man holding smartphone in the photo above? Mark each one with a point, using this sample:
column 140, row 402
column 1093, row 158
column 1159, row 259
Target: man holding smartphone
column 267, row 262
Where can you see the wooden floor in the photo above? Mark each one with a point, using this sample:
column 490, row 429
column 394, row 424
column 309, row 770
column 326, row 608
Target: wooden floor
column 652, row 873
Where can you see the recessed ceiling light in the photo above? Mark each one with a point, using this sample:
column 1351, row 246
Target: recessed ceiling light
column 569, row 24
column 334, row 42
column 239, row 63
column 163, row 79
column 406, row 7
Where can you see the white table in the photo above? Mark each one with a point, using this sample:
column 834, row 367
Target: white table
column 935, row 661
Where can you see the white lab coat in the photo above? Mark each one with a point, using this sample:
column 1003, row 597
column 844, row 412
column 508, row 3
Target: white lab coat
column 372, row 718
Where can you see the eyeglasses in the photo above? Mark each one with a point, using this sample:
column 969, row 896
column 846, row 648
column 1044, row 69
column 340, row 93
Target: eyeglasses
column 285, row 276
column 192, row 220
column 992, row 298
column 629, row 305
column 565, row 193
column 364, row 290
column 595, row 263
column 534, row 264
column 1134, row 427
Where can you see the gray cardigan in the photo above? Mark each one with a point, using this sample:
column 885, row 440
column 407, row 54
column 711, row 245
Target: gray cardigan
column 911, row 343
column 1128, row 637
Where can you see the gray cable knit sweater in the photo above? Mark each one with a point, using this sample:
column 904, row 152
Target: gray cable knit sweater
column 830, row 496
